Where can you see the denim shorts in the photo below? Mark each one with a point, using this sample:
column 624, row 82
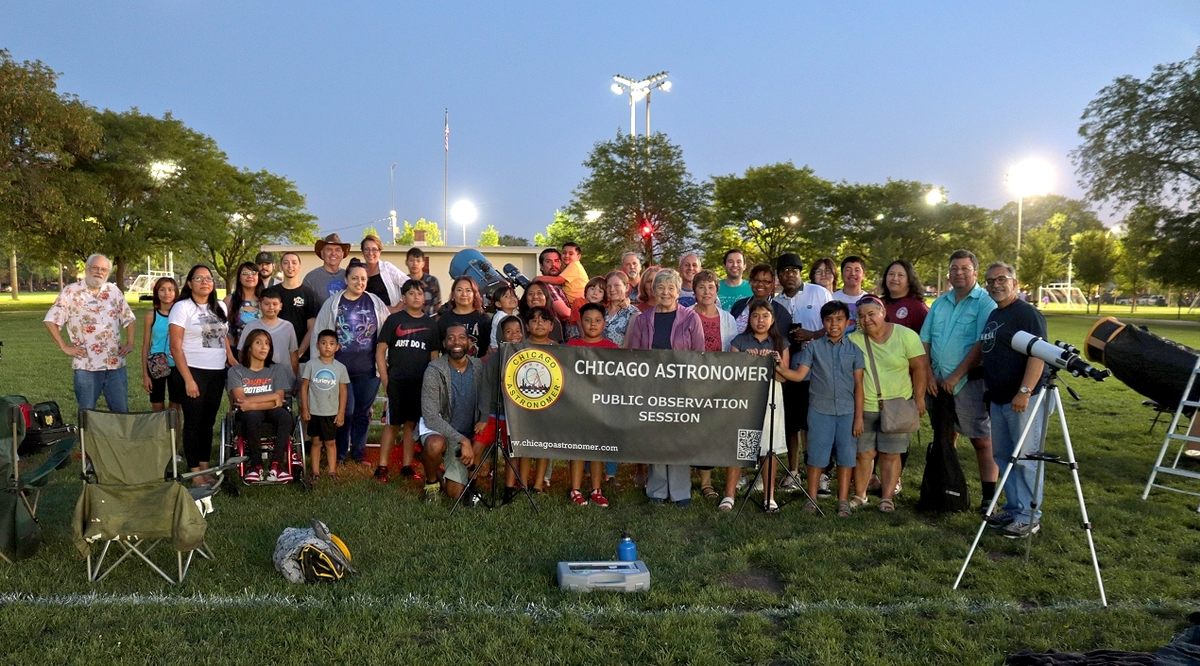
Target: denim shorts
column 830, row 436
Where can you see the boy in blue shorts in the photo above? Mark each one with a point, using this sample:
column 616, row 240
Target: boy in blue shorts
column 835, row 408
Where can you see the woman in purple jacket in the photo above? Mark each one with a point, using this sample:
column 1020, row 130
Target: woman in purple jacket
column 667, row 326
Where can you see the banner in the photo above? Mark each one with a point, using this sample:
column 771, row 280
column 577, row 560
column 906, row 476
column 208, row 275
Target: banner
column 647, row 406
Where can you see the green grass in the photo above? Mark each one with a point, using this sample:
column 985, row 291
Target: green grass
column 477, row 585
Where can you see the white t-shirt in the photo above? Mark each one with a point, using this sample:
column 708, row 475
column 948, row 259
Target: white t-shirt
column 805, row 305
column 204, row 335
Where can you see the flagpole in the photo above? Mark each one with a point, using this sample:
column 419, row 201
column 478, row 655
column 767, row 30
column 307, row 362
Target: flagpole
column 446, row 177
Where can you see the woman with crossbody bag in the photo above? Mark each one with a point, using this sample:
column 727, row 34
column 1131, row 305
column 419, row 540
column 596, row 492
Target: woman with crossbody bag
column 896, row 370
column 159, row 376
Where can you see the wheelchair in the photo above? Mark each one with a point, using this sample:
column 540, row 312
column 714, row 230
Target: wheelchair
column 235, row 444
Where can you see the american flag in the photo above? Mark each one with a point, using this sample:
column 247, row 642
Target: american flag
column 447, row 131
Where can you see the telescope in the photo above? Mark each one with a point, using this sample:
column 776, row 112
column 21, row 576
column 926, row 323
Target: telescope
column 1060, row 355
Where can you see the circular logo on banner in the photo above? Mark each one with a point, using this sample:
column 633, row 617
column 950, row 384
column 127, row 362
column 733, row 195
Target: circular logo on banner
column 533, row 379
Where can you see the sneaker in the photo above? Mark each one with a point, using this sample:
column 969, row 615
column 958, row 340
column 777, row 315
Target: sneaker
column 408, row 472
column 810, row 507
column 857, row 502
column 1017, row 530
column 843, row 510
column 791, row 481
column 597, row 498
column 999, row 520
column 279, row 476
column 683, row 503
column 823, row 486
column 577, row 498
column 431, row 491
column 254, row 475
column 381, row 474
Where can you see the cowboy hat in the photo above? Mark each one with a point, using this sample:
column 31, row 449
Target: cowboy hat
column 331, row 239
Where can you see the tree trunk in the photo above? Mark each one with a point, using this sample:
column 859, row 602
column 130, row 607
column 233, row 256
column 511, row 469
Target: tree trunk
column 118, row 272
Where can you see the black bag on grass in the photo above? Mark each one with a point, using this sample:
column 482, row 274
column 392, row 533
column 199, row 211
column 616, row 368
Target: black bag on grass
column 943, row 487
column 46, row 427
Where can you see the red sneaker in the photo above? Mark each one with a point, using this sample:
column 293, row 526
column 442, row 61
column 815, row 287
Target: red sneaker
column 598, row 499
column 577, row 498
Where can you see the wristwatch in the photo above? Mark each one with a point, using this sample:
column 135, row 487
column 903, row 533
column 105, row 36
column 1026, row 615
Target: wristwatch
column 1023, row 390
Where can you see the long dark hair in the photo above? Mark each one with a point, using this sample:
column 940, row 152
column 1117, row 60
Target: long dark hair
column 915, row 288
column 214, row 304
column 773, row 335
column 244, row 356
column 160, row 282
column 523, row 305
column 237, row 292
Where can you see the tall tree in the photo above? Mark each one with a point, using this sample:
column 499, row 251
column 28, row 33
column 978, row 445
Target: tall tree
column 1041, row 262
column 636, row 182
column 767, row 211
column 1141, row 139
column 42, row 134
column 507, row 240
column 153, row 185
column 560, row 230
column 1095, row 253
column 1140, row 248
column 1071, row 217
column 433, row 233
column 266, row 209
column 489, row 237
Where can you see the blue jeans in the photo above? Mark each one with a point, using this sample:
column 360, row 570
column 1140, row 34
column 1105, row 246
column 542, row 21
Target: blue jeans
column 1007, row 426
column 352, row 437
column 114, row 384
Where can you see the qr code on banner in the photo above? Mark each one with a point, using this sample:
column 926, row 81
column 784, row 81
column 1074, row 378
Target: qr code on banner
column 748, row 443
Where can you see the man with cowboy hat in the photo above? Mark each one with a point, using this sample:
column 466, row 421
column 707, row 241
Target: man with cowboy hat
column 328, row 278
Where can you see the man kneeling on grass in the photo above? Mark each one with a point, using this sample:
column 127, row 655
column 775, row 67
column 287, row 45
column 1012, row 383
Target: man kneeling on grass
column 449, row 398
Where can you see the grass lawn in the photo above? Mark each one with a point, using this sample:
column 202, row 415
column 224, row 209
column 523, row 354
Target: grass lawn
column 477, row 586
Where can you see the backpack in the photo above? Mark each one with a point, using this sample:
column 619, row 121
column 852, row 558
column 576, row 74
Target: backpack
column 943, row 487
column 46, row 426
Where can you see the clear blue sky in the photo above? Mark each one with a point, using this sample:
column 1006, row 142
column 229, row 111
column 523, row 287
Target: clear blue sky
column 330, row 94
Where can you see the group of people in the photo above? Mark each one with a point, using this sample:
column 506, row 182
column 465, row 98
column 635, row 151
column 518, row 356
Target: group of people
column 335, row 336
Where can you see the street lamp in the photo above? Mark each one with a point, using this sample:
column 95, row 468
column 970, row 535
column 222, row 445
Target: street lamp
column 464, row 213
column 935, row 196
column 1030, row 177
column 639, row 90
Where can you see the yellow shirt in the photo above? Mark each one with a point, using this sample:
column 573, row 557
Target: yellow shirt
column 576, row 279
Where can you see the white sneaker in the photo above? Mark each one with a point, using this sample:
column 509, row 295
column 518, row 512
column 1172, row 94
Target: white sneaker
column 823, row 486
column 791, row 481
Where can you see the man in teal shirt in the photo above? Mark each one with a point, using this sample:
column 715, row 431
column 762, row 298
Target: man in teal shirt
column 951, row 336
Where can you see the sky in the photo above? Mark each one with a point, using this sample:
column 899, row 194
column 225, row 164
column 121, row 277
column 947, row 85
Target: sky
column 330, row 95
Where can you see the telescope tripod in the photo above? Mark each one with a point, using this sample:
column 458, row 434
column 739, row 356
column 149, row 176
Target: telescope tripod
column 1037, row 454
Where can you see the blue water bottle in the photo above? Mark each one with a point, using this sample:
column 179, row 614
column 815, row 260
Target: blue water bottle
column 626, row 549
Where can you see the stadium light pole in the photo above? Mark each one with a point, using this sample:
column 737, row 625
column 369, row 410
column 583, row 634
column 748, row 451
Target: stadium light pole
column 1027, row 178
column 639, row 90
column 464, row 213
column 392, row 192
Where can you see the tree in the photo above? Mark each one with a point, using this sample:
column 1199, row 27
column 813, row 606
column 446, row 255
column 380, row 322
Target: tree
column 433, row 233
column 1071, row 216
column 267, row 209
column 561, row 230
column 1141, row 139
column 42, row 134
column 152, row 185
column 1140, row 248
column 767, row 211
column 635, row 181
column 1094, row 255
column 513, row 241
column 1040, row 259
column 370, row 230
column 489, row 237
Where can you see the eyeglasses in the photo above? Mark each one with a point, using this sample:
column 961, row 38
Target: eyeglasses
column 201, row 279
column 822, row 271
column 248, row 274
column 763, row 281
column 962, row 269
column 371, row 250
column 999, row 280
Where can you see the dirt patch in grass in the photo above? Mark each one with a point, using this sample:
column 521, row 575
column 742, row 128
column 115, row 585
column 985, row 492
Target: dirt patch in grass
column 759, row 580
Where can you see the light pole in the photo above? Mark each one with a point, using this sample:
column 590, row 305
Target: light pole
column 639, row 90
column 464, row 213
column 392, row 192
column 1030, row 177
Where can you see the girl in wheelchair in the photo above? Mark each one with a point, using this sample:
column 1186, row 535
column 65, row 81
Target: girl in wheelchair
column 258, row 392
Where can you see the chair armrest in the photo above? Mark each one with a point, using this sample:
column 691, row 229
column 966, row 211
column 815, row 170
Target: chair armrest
column 57, row 459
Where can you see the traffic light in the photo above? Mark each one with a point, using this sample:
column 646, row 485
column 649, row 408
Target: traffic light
column 647, row 229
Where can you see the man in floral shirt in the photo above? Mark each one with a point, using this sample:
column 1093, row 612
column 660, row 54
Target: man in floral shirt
column 94, row 311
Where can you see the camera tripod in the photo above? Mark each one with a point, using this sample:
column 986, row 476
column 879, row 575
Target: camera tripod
column 770, row 460
column 1036, row 454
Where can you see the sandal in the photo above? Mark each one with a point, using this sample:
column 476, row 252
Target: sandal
column 887, row 505
column 726, row 505
column 770, row 507
column 843, row 510
column 857, row 502
column 708, row 492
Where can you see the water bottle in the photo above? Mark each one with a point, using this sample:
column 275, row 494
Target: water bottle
column 626, row 548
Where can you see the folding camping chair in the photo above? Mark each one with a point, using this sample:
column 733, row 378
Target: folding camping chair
column 133, row 493
column 20, row 534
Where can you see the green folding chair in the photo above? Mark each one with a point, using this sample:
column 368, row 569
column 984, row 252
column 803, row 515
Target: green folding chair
column 134, row 496
column 20, row 533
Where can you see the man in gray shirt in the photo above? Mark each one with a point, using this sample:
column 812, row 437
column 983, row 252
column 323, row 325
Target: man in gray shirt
column 328, row 278
column 449, row 399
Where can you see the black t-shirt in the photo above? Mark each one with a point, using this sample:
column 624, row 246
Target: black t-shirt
column 375, row 286
column 479, row 329
column 411, row 342
column 299, row 305
column 663, row 323
column 1004, row 367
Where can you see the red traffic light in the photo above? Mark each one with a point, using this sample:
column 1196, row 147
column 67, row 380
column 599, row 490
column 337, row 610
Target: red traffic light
column 647, row 229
